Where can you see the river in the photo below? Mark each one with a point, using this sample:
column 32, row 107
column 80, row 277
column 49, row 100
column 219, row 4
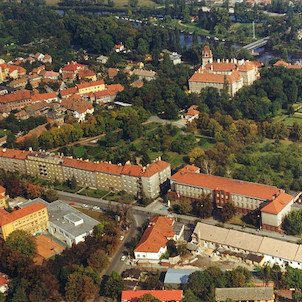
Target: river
column 186, row 40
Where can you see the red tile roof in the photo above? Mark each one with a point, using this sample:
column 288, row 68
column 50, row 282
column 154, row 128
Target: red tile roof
column 44, row 96
column 247, row 66
column 76, row 104
column 207, row 50
column 162, row 295
column 15, row 97
column 187, row 168
column 281, row 63
column 11, row 68
column 6, row 217
column 90, row 84
column 109, row 168
column 278, row 204
column 235, row 186
column 155, row 167
column 2, row 190
column 73, row 66
column 206, row 77
column 86, row 73
column 193, row 112
column 115, row 88
column 102, row 94
column 68, row 91
column 12, row 153
column 79, row 164
column 3, row 281
column 112, row 72
column 132, row 170
column 157, row 234
column 221, row 66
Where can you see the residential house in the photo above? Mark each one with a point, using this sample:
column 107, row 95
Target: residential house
column 70, row 71
column 87, row 75
column 38, row 109
column 138, row 84
column 47, row 59
column 22, row 115
column 9, row 71
column 78, row 107
column 46, row 97
column 119, row 47
column 246, row 196
column 251, row 294
column 49, row 74
column 175, row 58
column 102, row 59
column 108, row 94
column 288, row 65
column 88, row 87
column 65, row 222
column 3, row 284
column 147, row 75
column 153, row 243
column 161, row 295
column 65, row 93
column 15, row 100
column 19, row 83
column 32, row 218
column 248, row 246
column 191, row 115
column 112, row 72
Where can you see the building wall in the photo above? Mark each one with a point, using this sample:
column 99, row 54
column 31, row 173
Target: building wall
column 92, row 88
column 13, row 165
column 109, row 182
column 151, row 256
column 83, row 177
column 32, row 223
column 131, row 184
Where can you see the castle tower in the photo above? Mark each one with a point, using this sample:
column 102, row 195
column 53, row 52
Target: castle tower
column 207, row 56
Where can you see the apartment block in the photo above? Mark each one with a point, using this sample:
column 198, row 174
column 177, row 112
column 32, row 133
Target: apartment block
column 33, row 219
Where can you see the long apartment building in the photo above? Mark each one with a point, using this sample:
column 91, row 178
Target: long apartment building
column 274, row 203
column 133, row 179
column 33, row 219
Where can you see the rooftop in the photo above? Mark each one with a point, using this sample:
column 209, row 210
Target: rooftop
column 178, row 276
column 278, row 204
column 162, row 295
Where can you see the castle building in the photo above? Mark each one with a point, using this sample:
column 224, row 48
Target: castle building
column 234, row 73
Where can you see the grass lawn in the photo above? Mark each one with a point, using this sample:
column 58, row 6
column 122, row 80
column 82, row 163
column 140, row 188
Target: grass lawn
column 153, row 155
column 65, row 188
column 150, row 126
column 175, row 159
column 290, row 120
column 126, row 198
column 43, row 182
column 205, row 143
column 93, row 214
column 236, row 220
column 79, row 151
column 52, row 2
column 93, row 193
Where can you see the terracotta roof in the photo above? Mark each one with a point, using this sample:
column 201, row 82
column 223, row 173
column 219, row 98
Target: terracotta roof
column 49, row 74
column 46, row 247
column 193, row 107
column 138, row 83
column 79, row 164
column 162, row 295
column 206, row 49
column 155, row 167
column 38, row 106
column 102, row 94
column 47, row 57
column 12, row 153
column 157, row 234
column 193, row 112
column 132, row 170
column 109, row 168
column 3, row 281
column 86, row 73
column 112, row 72
column 12, row 68
column 44, row 96
column 90, row 84
column 115, row 88
column 68, row 91
column 2, row 190
column 20, row 113
column 144, row 73
column 296, row 66
column 187, row 168
column 73, row 66
column 34, row 132
column 207, row 77
column 6, row 217
column 281, row 63
column 221, row 66
column 278, row 204
column 235, row 186
column 246, row 66
column 76, row 104
column 15, row 97
column 18, row 81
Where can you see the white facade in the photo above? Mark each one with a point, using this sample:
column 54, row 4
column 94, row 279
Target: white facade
column 81, row 116
column 150, row 256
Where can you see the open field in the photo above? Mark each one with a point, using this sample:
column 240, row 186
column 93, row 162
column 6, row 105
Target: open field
column 118, row 3
column 52, row 2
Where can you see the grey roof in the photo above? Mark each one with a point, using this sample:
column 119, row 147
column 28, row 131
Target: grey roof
column 66, row 217
column 244, row 293
column 178, row 276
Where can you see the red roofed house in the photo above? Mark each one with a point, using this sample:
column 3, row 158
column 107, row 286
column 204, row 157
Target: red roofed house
column 8, row 71
column 15, row 100
column 153, row 243
column 87, row 74
column 246, row 196
column 119, row 47
column 236, row 73
column 112, row 72
column 46, row 97
column 3, row 284
column 70, row 71
column 87, row 87
column 162, row 295
column 3, row 198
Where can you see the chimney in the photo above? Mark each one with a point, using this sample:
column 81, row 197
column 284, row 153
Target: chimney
column 159, row 158
column 227, row 60
column 218, row 60
column 4, row 150
column 144, row 169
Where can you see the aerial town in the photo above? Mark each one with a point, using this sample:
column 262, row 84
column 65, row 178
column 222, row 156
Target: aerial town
column 151, row 151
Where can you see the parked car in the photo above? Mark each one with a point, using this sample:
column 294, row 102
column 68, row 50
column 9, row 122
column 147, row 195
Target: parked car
column 123, row 258
column 96, row 208
column 84, row 205
column 72, row 204
column 122, row 237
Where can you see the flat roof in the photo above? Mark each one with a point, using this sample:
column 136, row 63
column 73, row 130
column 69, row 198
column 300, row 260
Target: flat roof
column 178, row 276
column 244, row 293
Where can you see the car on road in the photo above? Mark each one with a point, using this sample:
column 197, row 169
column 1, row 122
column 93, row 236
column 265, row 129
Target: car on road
column 123, row 258
column 72, row 204
column 96, row 208
column 122, row 237
column 84, row 205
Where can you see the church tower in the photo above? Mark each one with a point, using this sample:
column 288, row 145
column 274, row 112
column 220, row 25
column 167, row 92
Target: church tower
column 207, row 56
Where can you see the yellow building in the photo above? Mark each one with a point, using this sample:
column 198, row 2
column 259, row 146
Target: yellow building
column 87, row 87
column 3, row 198
column 45, row 165
column 33, row 219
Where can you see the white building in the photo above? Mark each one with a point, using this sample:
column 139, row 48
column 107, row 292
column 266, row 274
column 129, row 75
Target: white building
column 175, row 58
column 153, row 244
column 65, row 222
column 274, row 251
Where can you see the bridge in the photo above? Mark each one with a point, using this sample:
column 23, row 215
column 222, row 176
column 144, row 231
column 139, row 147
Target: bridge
column 254, row 45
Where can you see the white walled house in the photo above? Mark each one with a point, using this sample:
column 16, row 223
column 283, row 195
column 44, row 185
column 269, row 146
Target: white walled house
column 153, row 243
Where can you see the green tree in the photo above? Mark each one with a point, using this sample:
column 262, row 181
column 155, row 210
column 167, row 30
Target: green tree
column 50, row 195
column 11, row 140
column 133, row 3
column 114, row 285
column 73, row 183
column 228, row 211
column 98, row 260
column 22, row 242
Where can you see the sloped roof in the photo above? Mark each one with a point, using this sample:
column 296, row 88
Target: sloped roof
column 69, row 91
column 244, row 188
column 204, row 76
column 13, row 153
column 90, row 84
column 3, row 281
column 221, row 66
column 44, row 96
column 162, row 295
column 278, row 204
column 73, row 66
column 155, row 167
column 14, row 97
column 132, row 170
column 156, row 235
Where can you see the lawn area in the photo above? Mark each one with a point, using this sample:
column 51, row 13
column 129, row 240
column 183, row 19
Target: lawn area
column 205, row 143
column 65, row 188
column 153, row 155
column 290, row 120
column 93, row 214
column 120, row 196
column 236, row 220
column 43, row 182
column 79, row 151
column 150, row 126
column 175, row 159
column 93, row 193
column 192, row 27
column 52, row 2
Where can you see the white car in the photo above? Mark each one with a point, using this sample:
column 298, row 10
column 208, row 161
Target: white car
column 123, row 258
column 96, row 208
column 122, row 237
column 84, row 205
